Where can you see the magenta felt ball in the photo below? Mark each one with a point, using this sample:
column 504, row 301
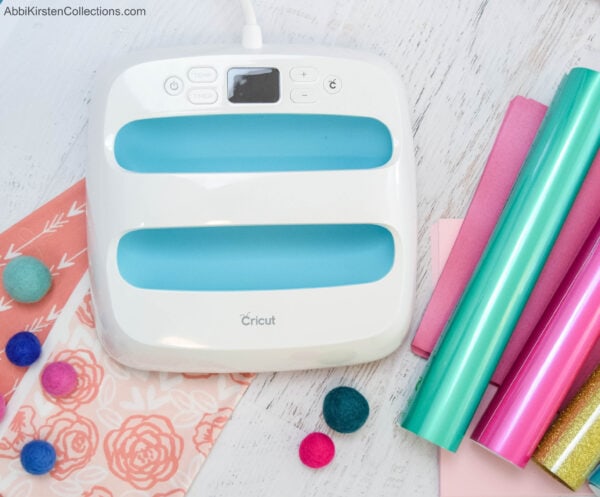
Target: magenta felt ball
column 59, row 379
column 316, row 450
column 2, row 407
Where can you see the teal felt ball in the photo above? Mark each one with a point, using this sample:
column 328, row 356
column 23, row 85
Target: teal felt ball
column 345, row 409
column 26, row 279
column 38, row 457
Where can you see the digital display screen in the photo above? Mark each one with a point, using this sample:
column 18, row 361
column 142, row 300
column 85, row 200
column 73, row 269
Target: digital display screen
column 253, row 85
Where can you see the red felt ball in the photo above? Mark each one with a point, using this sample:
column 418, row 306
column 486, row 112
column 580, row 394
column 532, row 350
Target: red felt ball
column 316, row 450
column 2, row 407
column 59, row 379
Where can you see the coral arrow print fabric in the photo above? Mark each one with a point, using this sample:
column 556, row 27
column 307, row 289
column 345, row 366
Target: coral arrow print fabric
column 122, row 432
column 55, row 234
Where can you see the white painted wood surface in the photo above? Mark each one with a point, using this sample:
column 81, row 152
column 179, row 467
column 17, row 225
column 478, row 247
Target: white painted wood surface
column 462, row 61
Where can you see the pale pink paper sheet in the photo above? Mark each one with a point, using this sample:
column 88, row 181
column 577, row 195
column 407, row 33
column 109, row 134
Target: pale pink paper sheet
column 473, row 471
column 514, row 139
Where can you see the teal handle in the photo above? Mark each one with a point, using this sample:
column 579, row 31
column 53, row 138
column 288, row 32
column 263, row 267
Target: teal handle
column 248, row 258
column 474, row 338
column 243, row 143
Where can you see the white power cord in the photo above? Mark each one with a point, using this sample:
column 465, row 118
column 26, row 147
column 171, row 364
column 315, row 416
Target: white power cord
column 251, row 33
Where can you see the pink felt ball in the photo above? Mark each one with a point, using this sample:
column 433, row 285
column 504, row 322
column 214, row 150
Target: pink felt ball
column 59, row 379
column 316, row 450
column 2, row 406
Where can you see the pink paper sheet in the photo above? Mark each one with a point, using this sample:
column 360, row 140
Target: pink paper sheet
column 514, row 139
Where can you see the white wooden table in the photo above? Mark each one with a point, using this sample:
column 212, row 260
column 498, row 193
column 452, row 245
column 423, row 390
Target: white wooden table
column 462, row 61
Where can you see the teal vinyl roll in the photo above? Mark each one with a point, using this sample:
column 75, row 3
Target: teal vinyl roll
column 594, row 481
column 475, row 336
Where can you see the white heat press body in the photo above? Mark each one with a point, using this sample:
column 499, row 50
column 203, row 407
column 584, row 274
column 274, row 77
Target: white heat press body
column 251, row 210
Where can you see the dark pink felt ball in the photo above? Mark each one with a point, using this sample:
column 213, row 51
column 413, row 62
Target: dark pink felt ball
column 59, row 379
column 2, row 407
column 316, row 450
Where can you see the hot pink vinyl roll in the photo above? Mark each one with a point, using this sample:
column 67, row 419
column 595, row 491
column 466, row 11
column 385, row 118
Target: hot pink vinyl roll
column 524, row 406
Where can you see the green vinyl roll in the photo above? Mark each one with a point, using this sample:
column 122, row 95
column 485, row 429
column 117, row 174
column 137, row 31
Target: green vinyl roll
column 475, row 336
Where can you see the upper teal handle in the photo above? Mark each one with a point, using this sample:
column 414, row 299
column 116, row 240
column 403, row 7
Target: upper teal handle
column 252, row 143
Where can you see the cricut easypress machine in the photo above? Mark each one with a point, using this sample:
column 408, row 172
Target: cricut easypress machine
column 251, row 209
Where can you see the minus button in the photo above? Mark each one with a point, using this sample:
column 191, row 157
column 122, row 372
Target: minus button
column 303, row 96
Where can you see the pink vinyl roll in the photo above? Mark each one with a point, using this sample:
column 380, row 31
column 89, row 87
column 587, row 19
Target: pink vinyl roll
column 524, row 406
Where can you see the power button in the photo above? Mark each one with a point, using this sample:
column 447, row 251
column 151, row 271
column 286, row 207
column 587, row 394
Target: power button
column 332, row 84
column 173, row 85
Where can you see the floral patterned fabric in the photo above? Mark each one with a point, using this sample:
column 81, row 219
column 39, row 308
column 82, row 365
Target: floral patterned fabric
column 122, row 432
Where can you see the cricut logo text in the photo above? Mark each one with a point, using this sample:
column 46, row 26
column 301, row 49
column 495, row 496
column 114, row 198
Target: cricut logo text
column 250, row 320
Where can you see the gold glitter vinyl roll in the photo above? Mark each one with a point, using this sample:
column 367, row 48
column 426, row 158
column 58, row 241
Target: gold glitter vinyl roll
column 570, row 450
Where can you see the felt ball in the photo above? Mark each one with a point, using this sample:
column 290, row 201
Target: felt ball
column 2, row 407
column 316, row 450
column 59, row 379
column 38, row 457
column 345, row 409
column 23, row 348
column 26, row 279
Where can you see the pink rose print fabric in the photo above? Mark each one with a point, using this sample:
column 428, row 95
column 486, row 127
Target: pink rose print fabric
column 75, row 439
column 122, row 432
column 208, row 429
column 145, row 450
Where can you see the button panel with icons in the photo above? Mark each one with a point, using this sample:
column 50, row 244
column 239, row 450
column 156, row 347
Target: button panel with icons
column 200, row 84
column 308, row 85
column 198, row 88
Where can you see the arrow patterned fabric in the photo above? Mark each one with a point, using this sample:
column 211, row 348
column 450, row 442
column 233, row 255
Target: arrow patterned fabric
column 122, row 431
column 55, row 234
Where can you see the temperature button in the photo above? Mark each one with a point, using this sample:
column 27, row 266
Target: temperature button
column 202, row 74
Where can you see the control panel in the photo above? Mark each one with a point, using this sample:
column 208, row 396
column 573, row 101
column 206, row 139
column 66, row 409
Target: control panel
column 205, row 85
